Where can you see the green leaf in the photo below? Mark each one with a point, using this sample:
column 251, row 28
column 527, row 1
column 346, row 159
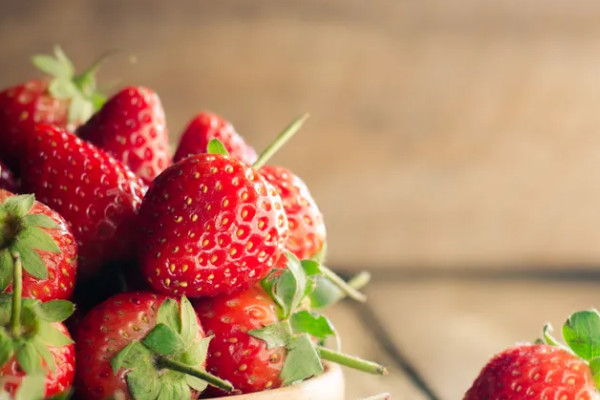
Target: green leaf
column 325, row 293
column 63, row 89
column 168, row 314
column 51, row 336
column 196, row 383
column 216, row 147
column 19, row 205
column 189, row 322
column 142, row 378
column 40, row 220
column 64, row 60
column 315, row 325
column 42, row 349
column 547, row 337
column 172, row 390
column 290, row 286
column 37, row 238
column 277, row 334
column 195, row 355
column 164, row 340
column 32, row 262
column 595, row 368
column 582, row 334
column 122, row 356
column 311, row 267
column 302, row 361
column 55, row 310
column 6, row 269
column 33, row 387
column 51, row 66
column 6, row 347
column 28, row 357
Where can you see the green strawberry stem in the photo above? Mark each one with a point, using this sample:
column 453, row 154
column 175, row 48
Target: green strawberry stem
column 163, row 362
column 281, row 139
column 349, row 290
column 15, row 316
column 352, row 361
column 360, row 280
column 380, row 396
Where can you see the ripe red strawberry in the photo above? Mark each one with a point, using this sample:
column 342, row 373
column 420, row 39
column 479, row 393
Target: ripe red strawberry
column 36, row 349
column 209, row 225
column 95, row 193
column 130, row 344
column 307, row 229
column 235, row 355
column 207, row 126
column 536, row 371
column 48, row 248
column 65, row 100
column 131, row 127
column 7, row 179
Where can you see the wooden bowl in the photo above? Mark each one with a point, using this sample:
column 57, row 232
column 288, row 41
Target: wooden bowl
column 327, row 386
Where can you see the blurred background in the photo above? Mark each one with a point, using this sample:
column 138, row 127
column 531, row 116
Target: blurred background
column 444, row 136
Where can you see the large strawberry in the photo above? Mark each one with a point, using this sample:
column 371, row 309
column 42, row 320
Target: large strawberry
column 142, row 345
column 65, row 100
column 37, row 355
column 307, row 229
column 207, row 126
column 209, row 225
column 96, row 194
column 266, row 337
column 7, row 179
column 46, row 245
column 548, row 370
column 131, row 127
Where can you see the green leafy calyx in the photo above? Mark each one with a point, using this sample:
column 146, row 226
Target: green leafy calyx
column 167, row 363
column 65, row 84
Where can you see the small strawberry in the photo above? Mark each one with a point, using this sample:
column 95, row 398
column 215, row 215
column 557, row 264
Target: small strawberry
column 131, row 127
column 266, row 337
column 547, row 370
column 307, row 229
column 7, row 179
column 207, row 126
column 142, row 345
column 36, row 350
column 65, row 100
column 209, row 225
column 46, row 245
column 95, row 193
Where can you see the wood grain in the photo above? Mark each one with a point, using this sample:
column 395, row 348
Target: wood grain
column 442, row 133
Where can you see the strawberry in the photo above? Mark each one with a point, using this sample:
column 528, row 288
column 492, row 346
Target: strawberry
column 46, row 245
column 209, row 225
column 37, row 354
column 65, row 100
column 307, row 229
column 131, row 127
column 95, row 193
column 265, row 337
column 546, row 370
column 7, row 179
column 142, row 345
column 207, row 126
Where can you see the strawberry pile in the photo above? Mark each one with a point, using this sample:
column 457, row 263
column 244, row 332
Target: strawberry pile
column 546, row 369
column 195, row 276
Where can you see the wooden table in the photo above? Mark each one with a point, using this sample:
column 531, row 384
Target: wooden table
column 435, row 330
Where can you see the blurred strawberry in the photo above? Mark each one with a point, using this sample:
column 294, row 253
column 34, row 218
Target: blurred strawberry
column 207, row 126
column 131, row 127
column 65, row 100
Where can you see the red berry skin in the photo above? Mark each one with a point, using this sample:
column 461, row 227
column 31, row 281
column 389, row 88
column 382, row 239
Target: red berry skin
column 233, row 354
column 21, row 108
column 131, row 127
column 7, row 179
column 105, row 331
column 97, row 195
column 209, row 225
column 207, row 126
column 62, row 267
column 307, row 229
column 57, row 382
column 534, row 372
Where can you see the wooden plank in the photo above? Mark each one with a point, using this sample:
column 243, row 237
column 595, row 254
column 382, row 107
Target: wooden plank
column 357, row 340
column 449, row 329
